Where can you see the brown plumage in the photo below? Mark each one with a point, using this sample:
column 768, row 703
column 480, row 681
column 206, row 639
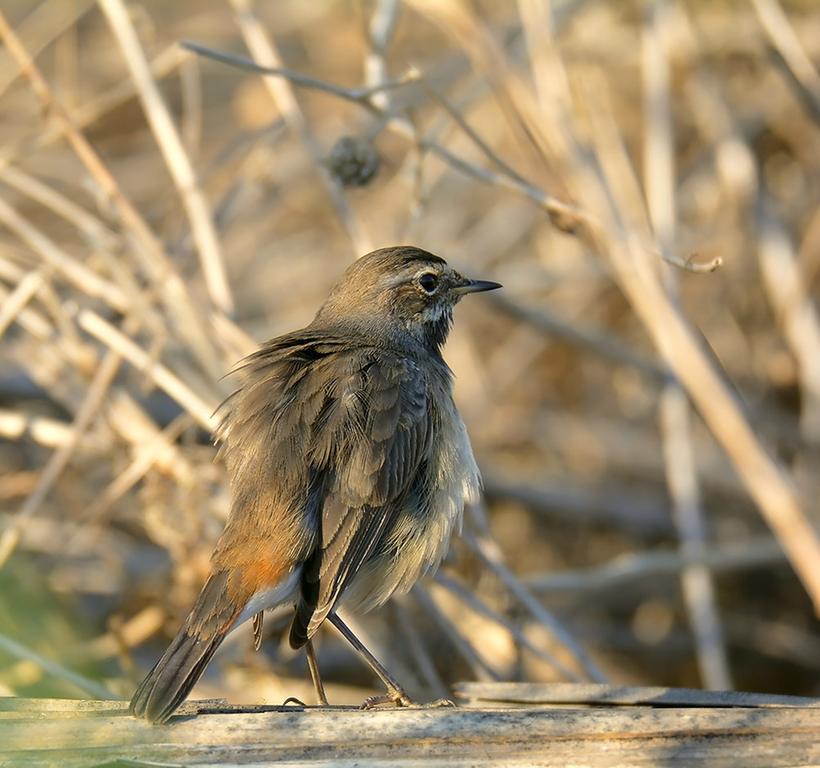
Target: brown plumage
column 348, row 461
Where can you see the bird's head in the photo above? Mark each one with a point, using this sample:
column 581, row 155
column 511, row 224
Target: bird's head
column 401, row 288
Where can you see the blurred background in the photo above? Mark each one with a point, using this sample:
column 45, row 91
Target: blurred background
column 643, row 396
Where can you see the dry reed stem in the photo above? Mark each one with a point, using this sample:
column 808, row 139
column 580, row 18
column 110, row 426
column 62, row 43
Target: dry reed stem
column 418, row 650
column 191, row 119
column 787, row 291
column 490, row 554
column 16, row 301
column 97, row 390
column 782, row 35
column 92, row 228
column 81, row 276
column 156, row 372
column 84, row 115
column 32, row 321
column 90, row 687
column 481, row 668
column 51, row 433
column 40, row 28
column 149, row 250
column 139, row 431
column 139, row 628
column 147, row 455
column 263, row 49
column 674, row 410
column 173, row 151
column 380, row 31
column 478, row 606
column 640, row 567
column 766, row 480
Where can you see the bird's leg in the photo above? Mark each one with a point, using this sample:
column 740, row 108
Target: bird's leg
column 313, row 666
column 318, row 686
column 395, row 693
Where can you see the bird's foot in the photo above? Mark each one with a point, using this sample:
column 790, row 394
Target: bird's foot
column 398, row 698
column 293, row 700
column 393, row 698
column 439, row 703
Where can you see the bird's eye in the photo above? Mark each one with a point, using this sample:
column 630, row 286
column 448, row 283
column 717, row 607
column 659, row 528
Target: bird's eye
column 429, row 282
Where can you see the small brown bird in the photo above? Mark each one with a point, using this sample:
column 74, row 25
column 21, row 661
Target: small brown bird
column 349, row 466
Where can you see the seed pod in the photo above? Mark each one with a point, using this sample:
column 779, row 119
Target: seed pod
column 353, row 161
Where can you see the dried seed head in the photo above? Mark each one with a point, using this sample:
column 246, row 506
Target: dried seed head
column 353, row 161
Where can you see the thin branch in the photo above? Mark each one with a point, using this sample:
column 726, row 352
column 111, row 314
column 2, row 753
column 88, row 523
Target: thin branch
column 564, row 213
column 362, row 96
column 263, row 48
column 468, row 130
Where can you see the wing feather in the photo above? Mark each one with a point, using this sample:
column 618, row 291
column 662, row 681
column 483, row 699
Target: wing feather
column 323, row 443
column 381, row 430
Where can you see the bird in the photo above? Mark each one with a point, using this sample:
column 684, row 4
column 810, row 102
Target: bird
column 349, row 468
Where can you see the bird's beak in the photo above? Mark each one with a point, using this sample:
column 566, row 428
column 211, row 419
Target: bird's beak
column 474, row 286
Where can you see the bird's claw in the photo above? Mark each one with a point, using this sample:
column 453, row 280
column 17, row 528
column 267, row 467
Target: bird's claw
column 439, row 703
column 401, row 699
column 394, row 698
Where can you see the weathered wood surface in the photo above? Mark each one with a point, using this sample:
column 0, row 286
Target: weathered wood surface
column 583, row 733
column 528, row 694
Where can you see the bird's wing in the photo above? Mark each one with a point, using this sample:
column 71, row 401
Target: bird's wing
column 265, row 437
column 368, row 442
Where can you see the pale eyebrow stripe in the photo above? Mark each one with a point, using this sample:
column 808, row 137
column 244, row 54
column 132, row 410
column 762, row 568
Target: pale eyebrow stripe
column 405, row 276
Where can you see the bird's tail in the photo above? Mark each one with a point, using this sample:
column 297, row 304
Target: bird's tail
column 170, row 681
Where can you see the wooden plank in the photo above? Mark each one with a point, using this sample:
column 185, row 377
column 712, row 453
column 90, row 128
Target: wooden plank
column 41, row 734
column 12, row 707
column 529, row 694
